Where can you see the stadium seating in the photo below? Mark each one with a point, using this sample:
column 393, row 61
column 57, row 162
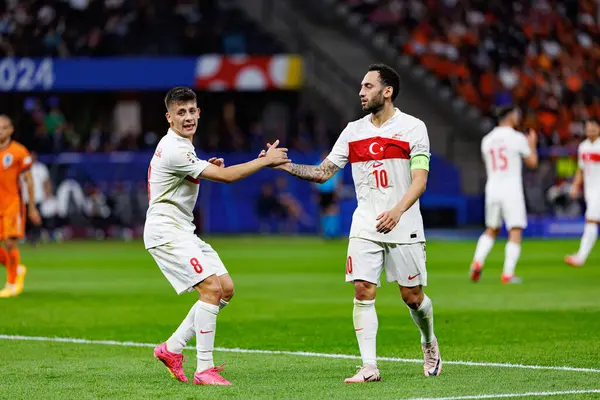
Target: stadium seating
column 543, row 55
column 125, row 27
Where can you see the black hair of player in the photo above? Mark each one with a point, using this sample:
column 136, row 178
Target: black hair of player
column 179, row 95
column 502, row 112
column 388, row 77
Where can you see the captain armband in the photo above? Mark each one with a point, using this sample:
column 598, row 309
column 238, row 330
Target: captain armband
column 420, row 161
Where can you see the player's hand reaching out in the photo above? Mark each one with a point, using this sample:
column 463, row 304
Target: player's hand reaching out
column 270, row 147
column 219, row 162
column 276, row 156
column 388, row 220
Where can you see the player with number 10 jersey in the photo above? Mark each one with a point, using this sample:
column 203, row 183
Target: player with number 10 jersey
column 389, row 153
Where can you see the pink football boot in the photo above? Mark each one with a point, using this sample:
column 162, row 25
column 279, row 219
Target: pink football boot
column 173, row 361
column 476, row 269
column 211, row 376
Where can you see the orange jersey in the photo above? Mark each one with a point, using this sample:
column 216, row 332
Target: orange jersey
column 14, row 160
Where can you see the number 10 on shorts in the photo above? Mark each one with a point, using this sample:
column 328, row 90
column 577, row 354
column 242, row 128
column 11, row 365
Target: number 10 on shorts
column 349, row 265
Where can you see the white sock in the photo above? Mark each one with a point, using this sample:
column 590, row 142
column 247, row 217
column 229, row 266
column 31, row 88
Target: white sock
column 484, row 246
column 205, row 324
column 423, row 317
column 183, row 334
column 365, row 325
column 590, row 234
column 223, row 304
column 512, row 252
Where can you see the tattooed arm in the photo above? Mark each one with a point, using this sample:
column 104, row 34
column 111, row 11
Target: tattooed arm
column 319, row 174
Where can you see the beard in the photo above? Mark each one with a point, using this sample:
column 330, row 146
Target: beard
column 374, row 105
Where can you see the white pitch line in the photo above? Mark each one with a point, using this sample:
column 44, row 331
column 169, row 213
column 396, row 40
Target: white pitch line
column 505, row 395
column 297, row 353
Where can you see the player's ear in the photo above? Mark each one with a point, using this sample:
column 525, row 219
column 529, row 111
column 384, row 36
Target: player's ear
column 198, row 112
column 388, row 91
column 168, row 116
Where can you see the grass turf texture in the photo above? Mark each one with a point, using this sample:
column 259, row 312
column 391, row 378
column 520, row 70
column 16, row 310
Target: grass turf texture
column 291, row 295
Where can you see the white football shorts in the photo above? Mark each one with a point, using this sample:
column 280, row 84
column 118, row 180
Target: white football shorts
column 592, row 211
column 510, row 210
column 187, row 261
column 403, row 263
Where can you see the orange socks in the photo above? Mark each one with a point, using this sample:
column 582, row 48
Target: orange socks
column 12, row 263
column 3, row 256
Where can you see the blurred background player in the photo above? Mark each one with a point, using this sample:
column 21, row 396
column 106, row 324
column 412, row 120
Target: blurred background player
column 15, row 160
column 389, row 153
column 502, row 150
column 42, row 188
column 329, row 208
column 186, row 261
column 588, row 175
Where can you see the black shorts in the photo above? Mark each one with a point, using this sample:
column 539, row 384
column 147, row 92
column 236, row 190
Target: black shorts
column 326, row 200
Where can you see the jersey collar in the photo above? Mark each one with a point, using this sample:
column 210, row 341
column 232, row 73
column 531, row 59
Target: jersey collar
column 397, row 114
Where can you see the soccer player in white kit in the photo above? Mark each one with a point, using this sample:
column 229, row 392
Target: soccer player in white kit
column 504, row 149
column 389, row 153
column 588, row 175
column 186, row 261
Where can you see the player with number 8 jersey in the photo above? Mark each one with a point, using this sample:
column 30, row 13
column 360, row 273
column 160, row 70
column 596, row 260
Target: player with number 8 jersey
column 504, row 149
column 189, row 263
column 389, row 153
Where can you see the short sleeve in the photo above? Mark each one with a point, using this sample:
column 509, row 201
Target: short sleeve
column 524, row 148
column 580, row 157
column 340, row 151
column 419, row 141
column 25, row 160
column 185, row 162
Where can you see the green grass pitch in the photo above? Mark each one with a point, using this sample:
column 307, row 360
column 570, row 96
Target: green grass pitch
column 291, row 295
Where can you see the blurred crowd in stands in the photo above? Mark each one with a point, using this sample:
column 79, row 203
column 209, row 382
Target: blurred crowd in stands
column 62, row 28
column 541, row 54
column 125, row 124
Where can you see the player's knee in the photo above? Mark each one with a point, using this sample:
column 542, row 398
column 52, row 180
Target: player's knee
column 492, row 232
column 210, row 289
column 412, row 297
column 227, row 292
column 515, row 235
column 364, row 290
column 10, row 244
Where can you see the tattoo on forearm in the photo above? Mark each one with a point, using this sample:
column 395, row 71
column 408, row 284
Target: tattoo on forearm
column 313, row 173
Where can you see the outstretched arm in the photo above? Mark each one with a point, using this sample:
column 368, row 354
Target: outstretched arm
column 320, row 174
column 217, row 172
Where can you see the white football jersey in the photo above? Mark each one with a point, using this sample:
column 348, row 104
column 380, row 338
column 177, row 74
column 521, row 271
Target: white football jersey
column 589, row 162
column 503, row 150
column 40, row 174
column 173, row 183
column 380, row 159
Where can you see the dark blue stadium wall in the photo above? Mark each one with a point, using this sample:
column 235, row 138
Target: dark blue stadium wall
column 232, row 208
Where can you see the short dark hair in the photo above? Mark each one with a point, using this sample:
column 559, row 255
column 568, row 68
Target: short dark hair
column 178, row 95
column 388, row 77
column 502, row 112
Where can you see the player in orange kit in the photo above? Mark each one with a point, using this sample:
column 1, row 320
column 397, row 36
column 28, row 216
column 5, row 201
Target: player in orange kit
column 14, row 161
